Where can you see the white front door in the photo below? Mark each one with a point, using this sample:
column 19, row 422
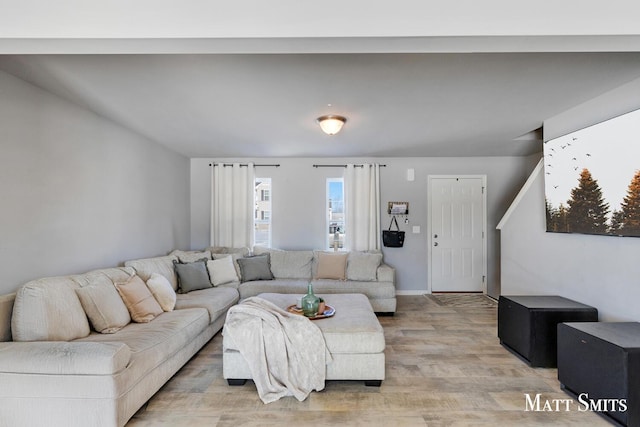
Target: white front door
column 457, row 225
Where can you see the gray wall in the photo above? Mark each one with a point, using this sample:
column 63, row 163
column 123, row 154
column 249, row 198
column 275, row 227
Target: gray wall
column 298, row 204
column 78, row 192
column 602, row 271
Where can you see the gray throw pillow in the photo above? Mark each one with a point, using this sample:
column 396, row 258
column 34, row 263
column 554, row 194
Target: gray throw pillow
column 255, row 268
column 192, row 276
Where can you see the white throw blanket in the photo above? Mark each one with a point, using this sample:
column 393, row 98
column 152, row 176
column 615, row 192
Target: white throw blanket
column 286, row 352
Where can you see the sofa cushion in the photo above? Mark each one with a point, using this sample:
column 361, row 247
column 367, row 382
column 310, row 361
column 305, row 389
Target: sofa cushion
column 331, row 265
column 48, row 309
column 291, row 264
column 163, row 265
column 216, row 300
column 142, row 306
column 191, row 256
column 282, row 286
column 363, row 266
column 243, row 251
column 162, row 291
column 104, row 276
column 104, row 307
column 192, row 276
column 374, row 290
column 65, row 358
column 222, row 271
column 255, row 268
column 156, row 342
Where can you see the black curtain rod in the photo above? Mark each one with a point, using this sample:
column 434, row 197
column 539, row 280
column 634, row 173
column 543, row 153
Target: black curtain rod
column 342, row 166
column 245, row 165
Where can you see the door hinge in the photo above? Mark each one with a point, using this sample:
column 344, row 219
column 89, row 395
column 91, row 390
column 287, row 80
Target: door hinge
column 482, row 190
column 483, row 278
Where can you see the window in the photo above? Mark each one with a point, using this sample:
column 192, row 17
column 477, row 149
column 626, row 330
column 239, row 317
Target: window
column 335, row 213
column 262, row 216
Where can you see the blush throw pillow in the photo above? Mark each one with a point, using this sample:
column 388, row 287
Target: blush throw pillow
column 162, row 291
column 222, row 271
column 104, row 308
column 142, row 306
column 331, row 265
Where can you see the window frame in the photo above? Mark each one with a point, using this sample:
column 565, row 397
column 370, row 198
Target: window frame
column 329, row 245
column 259, row 214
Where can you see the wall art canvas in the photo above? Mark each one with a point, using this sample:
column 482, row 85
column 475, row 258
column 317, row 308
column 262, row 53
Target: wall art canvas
column 592, row 179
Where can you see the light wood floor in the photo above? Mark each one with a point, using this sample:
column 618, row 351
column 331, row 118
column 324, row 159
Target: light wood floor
column 444, row 367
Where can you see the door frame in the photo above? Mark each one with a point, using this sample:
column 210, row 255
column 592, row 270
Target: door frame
column 430, row 178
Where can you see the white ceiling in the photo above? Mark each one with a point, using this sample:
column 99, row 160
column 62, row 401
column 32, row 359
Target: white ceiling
column 248, row 78
column 265, row 105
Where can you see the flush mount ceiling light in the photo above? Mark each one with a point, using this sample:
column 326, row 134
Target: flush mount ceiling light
column 331, row 124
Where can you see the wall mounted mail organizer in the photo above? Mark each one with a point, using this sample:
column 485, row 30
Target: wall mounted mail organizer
column 398, row 208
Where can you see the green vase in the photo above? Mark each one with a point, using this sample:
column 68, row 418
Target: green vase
column 310, row 303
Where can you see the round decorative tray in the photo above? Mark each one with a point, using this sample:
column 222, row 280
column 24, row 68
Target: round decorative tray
column 328, row 312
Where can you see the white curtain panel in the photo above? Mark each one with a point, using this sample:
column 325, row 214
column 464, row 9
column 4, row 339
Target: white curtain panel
column 232, row 201
column 362, row 207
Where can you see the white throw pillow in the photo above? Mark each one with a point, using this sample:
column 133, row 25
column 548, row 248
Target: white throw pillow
column 162, row 291
column 222, row 271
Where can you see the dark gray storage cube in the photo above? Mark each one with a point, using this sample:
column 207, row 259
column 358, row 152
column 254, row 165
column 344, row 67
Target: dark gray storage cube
column 527, row 324
column 603, row 361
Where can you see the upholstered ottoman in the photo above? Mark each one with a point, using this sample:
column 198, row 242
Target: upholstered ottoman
column 353, row 335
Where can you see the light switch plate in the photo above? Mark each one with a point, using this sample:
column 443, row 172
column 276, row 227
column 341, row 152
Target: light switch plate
column 415, row 229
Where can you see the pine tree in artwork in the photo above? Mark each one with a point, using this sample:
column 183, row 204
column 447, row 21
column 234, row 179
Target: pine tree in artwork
column 617, row 222
column 631, row 208
column 587, row 208
column 556, row 218
column 551, row 216
column 562, row 224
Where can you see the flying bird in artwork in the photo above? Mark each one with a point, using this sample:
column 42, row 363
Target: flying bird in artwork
column 563, row 146
column 555, row 186
column 548, row 173
column 588, row 155
column 575, row 168
column 574, row 159
column 550, row 166
column 574, row 138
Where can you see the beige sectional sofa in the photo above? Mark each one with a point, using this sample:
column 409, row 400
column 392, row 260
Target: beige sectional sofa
column 365, row 273
column 58, row 373
column 57, row 370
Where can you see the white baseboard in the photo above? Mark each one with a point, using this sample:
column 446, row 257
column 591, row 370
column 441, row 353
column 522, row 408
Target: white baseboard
column 412, row 292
